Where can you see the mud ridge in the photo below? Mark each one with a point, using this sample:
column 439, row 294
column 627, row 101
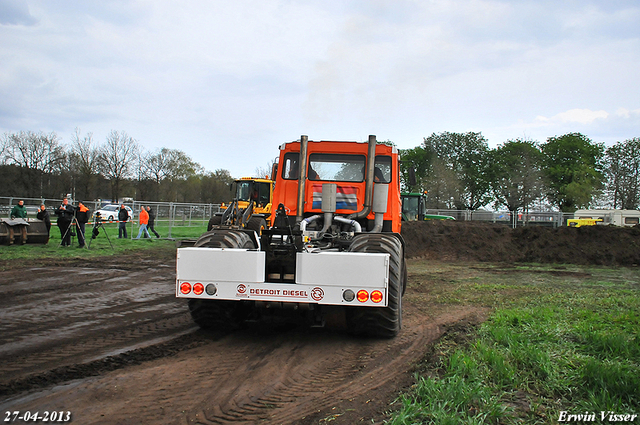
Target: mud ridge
column 497, row 243
column 98, row 367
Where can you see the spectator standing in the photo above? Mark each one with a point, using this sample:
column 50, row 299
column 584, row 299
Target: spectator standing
column 144, row 220
column 82, row 217
column 43, row 215
column 123, row 217
column 152, row 221
column 65, row 215
column 19, row 211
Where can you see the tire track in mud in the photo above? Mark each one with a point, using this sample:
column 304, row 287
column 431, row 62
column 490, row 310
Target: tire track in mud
column 89, row 349
column 56, row 321
column 356, row 368
column 260, row 375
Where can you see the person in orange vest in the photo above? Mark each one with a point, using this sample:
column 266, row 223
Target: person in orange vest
column 82, row 217
column 144, row 220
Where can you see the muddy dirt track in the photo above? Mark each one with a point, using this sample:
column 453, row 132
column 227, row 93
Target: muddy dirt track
column 108, row 341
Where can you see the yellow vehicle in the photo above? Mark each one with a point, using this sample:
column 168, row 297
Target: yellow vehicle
column 611, row 217
column 577, row 222
column 250, row 208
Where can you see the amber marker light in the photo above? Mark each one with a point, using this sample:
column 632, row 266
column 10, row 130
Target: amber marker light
column 376, row 296
column 198, row 288
column 185, row 287
column 363, row 296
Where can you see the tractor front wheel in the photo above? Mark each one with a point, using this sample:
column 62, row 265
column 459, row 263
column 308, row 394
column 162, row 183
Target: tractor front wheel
column 258, row 224
column 214, row 221
column 383, row 322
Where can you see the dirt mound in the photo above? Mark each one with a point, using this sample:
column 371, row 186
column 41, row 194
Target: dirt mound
column 472, row 241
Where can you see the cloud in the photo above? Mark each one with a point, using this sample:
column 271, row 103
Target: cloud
column 582, row 116
column 16, row 12
column 600, row 125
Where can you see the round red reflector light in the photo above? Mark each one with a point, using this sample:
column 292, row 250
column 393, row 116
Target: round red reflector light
column 363, row 296
column 376, row 296
column 198, row 288
column 185, row 287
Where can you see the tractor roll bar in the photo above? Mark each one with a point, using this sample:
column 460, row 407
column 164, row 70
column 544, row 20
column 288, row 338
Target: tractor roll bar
column 304, row 143
column 368, row 191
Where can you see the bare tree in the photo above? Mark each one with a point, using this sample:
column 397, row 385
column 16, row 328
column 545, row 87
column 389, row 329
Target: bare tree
column 38, row 152
column 118, row 157
column 157, row 165
column 265, row 172
column 84, row 160
column 4, row 143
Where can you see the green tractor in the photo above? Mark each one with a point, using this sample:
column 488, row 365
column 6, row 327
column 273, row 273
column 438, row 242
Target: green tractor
column 414, row 207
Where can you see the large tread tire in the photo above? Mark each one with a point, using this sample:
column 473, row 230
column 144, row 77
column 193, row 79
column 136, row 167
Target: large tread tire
column 258, row 224
column 384, row 322
column 214, row 221
column 220, row 315
column 225, row 239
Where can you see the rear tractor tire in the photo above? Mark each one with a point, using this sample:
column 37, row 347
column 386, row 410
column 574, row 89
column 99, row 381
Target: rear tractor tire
column 384, row 322
column 214, row 221
column 258, row 224
column 220, row 315
column 225, row 239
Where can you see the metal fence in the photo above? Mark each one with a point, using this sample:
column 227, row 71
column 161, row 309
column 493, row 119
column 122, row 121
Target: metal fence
column 530, row 218
column 176, row 214
column 171, row 214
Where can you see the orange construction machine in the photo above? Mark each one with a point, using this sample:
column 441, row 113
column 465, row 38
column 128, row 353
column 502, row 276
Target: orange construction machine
column 334, row 245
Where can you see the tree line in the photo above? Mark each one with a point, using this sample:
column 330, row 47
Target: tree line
column 37, row 164
column 457, row 171
column 460, row 171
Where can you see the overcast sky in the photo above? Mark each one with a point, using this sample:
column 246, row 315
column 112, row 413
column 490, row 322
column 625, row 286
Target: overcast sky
column 228, row 81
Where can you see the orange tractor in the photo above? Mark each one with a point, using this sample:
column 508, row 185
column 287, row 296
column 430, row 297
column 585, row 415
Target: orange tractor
column 333, row 247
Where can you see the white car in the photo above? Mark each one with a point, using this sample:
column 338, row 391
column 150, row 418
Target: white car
column 110, row 212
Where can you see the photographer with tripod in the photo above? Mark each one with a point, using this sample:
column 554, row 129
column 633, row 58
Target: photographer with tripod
column 65, row 216
column 82, row 217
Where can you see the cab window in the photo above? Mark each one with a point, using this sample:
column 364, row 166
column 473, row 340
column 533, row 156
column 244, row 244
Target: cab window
column 264, row 190
column 382, row 171
column 290, row 168
column 336, row 167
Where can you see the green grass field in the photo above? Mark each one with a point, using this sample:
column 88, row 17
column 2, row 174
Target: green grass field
column 101, row 245
column 564, row 338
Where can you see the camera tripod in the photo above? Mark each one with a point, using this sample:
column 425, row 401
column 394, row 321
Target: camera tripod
column 72, row 225
column 95, row 232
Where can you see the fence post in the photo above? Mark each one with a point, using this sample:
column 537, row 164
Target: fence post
column 170, row 218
